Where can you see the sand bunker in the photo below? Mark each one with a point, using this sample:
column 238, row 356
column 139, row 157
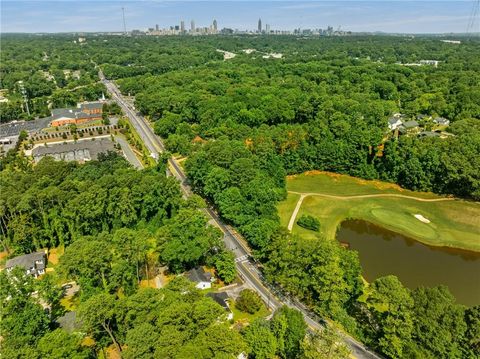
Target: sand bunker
column 421, row 218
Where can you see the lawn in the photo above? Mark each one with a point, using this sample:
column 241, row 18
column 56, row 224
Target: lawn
column 454, row 223
column 243, row 317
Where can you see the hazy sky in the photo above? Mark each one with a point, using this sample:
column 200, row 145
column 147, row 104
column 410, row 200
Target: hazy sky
column 388, row 16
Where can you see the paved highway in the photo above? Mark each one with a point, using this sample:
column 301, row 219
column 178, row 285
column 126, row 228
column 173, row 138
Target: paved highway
column 246, row 267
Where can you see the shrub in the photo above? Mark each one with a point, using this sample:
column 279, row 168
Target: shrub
column 249, row 301
column 309, row 222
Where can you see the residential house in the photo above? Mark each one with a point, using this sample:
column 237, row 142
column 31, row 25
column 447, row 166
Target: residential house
column 441, row 121
column 221, row 298
column 395, row 121
column 33, row 263
column 84, row 112
column 202, row 278
column 409, row 127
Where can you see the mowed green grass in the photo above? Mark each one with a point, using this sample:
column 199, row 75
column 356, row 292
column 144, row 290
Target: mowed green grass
column 452, row 223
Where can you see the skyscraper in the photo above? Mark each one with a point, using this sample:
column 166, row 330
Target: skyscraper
column 267, row 28
column 182, row 26
column 259, row 25
column 192, row 26
column 156, row 27
column 215, row 25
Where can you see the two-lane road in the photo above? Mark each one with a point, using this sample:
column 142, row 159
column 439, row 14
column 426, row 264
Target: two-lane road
column 246, row 268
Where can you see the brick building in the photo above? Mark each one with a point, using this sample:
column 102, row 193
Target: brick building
column 84, row 112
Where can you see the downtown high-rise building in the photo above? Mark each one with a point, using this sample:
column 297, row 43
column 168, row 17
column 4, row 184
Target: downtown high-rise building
column 215, row 25
column 182, row 26
column 267, row 28
column 192, row 26
column 259, row 25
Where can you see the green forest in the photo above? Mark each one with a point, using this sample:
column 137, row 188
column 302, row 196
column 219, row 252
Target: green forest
column 113, row 220
column 243, row 125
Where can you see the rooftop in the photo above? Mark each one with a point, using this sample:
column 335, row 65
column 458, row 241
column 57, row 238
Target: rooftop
column 198, row 275
column 91, row 105
column 410, row 124
column 220, row 298
column 94, row 148
column 27, row 261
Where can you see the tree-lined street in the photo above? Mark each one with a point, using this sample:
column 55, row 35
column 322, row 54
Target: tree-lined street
column 233, row 241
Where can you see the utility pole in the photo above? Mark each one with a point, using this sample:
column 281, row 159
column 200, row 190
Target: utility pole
column 24, row 95
column 124, row 24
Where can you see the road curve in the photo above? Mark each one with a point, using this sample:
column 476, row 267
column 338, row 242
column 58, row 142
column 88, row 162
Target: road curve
column 246, row 267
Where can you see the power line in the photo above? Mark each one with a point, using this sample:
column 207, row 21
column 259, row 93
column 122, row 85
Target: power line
column 124, row 24
column 474, row 17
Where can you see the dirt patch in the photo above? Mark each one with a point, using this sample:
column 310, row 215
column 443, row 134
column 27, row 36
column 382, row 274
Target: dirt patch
column 144, row 283
column 54, row 254
column 385, row 185
column 112, row 353
column 316, row 173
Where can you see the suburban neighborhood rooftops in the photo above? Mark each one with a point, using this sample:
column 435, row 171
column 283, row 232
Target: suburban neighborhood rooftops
column 198, row 275
column 220, row 298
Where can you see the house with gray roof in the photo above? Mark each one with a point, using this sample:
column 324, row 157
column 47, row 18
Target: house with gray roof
column 441, row 121
column 33, row 263
column 221, row 298
column 411, row 126
column 395, row 121
column 202, row 278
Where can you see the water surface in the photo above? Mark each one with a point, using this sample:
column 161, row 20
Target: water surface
column 383, row 252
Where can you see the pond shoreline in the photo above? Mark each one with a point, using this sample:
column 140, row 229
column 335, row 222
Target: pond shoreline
column 422, row 240
column 383, row 252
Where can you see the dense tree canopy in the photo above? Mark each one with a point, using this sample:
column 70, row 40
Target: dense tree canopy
column 244, row 124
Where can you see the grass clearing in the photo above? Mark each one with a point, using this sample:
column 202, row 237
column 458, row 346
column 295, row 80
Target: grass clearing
column 453, row 223
column 243, row 317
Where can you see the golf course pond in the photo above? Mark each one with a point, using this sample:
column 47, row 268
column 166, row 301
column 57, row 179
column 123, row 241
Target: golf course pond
column 383, row 252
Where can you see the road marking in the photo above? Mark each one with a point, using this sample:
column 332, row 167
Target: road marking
column 241, row 259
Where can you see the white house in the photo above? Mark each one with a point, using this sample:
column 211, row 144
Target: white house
column 202, row 279
column 33, row 263
column 395, row 121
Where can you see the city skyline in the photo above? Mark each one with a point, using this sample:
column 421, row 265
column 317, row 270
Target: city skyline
column 357, row 16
